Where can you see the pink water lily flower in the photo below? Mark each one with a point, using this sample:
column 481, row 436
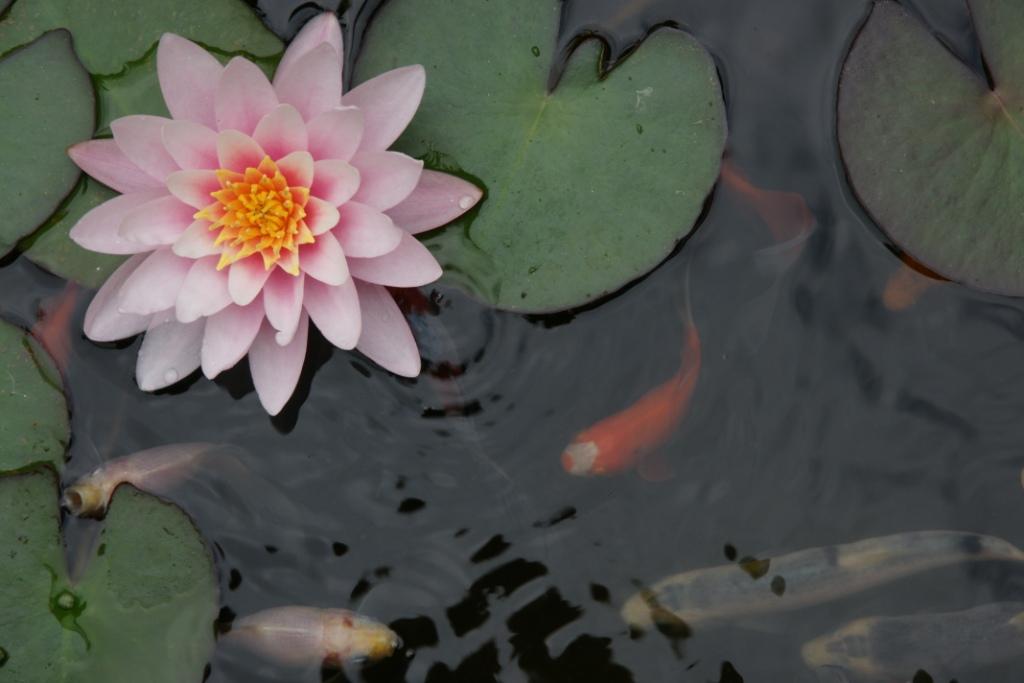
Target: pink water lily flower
column 260, row 207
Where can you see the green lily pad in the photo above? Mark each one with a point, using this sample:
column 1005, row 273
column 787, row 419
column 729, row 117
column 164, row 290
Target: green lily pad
column 46, row 105
column 933, row 152
column 33, row 413
column 142, row 610
column 51, row 248
column 588, row 186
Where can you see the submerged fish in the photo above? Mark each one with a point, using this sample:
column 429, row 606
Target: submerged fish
column 53, row 329
column 154, row 470
column 894, row 648
column 786, row 214
column 808, row 577
column 906, row 285
column 300, row 636
column 619, row 441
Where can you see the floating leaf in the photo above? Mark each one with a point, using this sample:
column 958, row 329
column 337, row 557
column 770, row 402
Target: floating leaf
column 589, row 186
column 33, row 414
column 46, row 104
column 934, row 153
column 142, row 610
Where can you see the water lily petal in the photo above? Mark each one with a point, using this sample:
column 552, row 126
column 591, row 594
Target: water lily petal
column 246, row 279
column 141, row 138
column 104, row 161
column 322, row 29
column 244, row 96
column 324, row 260
column 228, row 336
column 386, row 338
column 154, row 285
column 237, row 151
column 188, row 79
column 410, row 264
column 197, row 241
column 389, row 102
column 336, row 134
column 313, row 83
column 98, row 230
column 365, row 232
column 334, row 180
column 282, row 300
column 335, row 310
column 157, row 223
column 191, row 145
column 321, row 216
column 194, row 187
column 103, row 322
column 297, row 167
column 281, row 132
column 170, row 351
column 438, row 199
column 204, row 291
column 275, row 368
column 386, row 178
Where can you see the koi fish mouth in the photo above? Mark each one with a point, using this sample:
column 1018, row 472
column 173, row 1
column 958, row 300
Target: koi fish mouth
column 579, row 458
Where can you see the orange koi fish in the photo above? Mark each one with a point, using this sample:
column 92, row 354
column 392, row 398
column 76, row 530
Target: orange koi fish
column 53, row 328
column 785, row 213
column 907, row 285
column 621, row 440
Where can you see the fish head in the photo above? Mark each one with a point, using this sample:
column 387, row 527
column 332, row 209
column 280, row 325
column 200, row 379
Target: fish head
column 580, row 456
column 86, row 498
column 847, row 649
column 352, row 636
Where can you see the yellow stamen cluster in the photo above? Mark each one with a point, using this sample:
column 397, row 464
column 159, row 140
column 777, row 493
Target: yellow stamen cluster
column 258, row 212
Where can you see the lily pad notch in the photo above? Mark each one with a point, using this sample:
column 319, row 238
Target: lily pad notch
column 590, row 185
column 933, row 151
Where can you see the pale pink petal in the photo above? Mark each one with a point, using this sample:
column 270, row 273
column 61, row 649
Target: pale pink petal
column 386, row 178
column 282, row 132
column 336, row 134
column 386, row 338
column 244, row 96
column 197, row 241
column 275, row 368
column 297, row 167
column 322, row 29
column 229, row 334
column 321, row 216
column 194, row 187
column 103, row 322
column 191, row 145
column 313, row 83
column 334, row 181
column 141, row 138
column 204, row 292
column 409, row 265
column 169, row 352
column 438, row 199
column 324, row 260
column 365, row 232
column 188, row 79
column 238, row 151
column 98, row 230
column 389, row 102
column 154, row 285
column 157, row 223
column 104, row 161
column 246, row 279
column 335, row 310
column 282, row 300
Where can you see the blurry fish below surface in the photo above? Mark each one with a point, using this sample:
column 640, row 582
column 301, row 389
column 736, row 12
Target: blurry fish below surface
column 309, row 636
column 907, row 285
column 53, row 328
column 807, row 577
column 786, row 214
column 893, row 649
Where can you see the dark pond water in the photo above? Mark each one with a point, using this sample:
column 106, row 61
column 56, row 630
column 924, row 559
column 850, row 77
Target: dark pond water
column 440, row 505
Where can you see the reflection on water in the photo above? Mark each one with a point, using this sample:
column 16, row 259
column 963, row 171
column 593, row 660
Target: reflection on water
column 439, row 506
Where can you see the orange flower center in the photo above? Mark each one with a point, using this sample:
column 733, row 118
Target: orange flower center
column 258, row 212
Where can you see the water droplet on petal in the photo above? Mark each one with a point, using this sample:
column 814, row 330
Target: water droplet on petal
column 466, row 202
column 171, row 376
